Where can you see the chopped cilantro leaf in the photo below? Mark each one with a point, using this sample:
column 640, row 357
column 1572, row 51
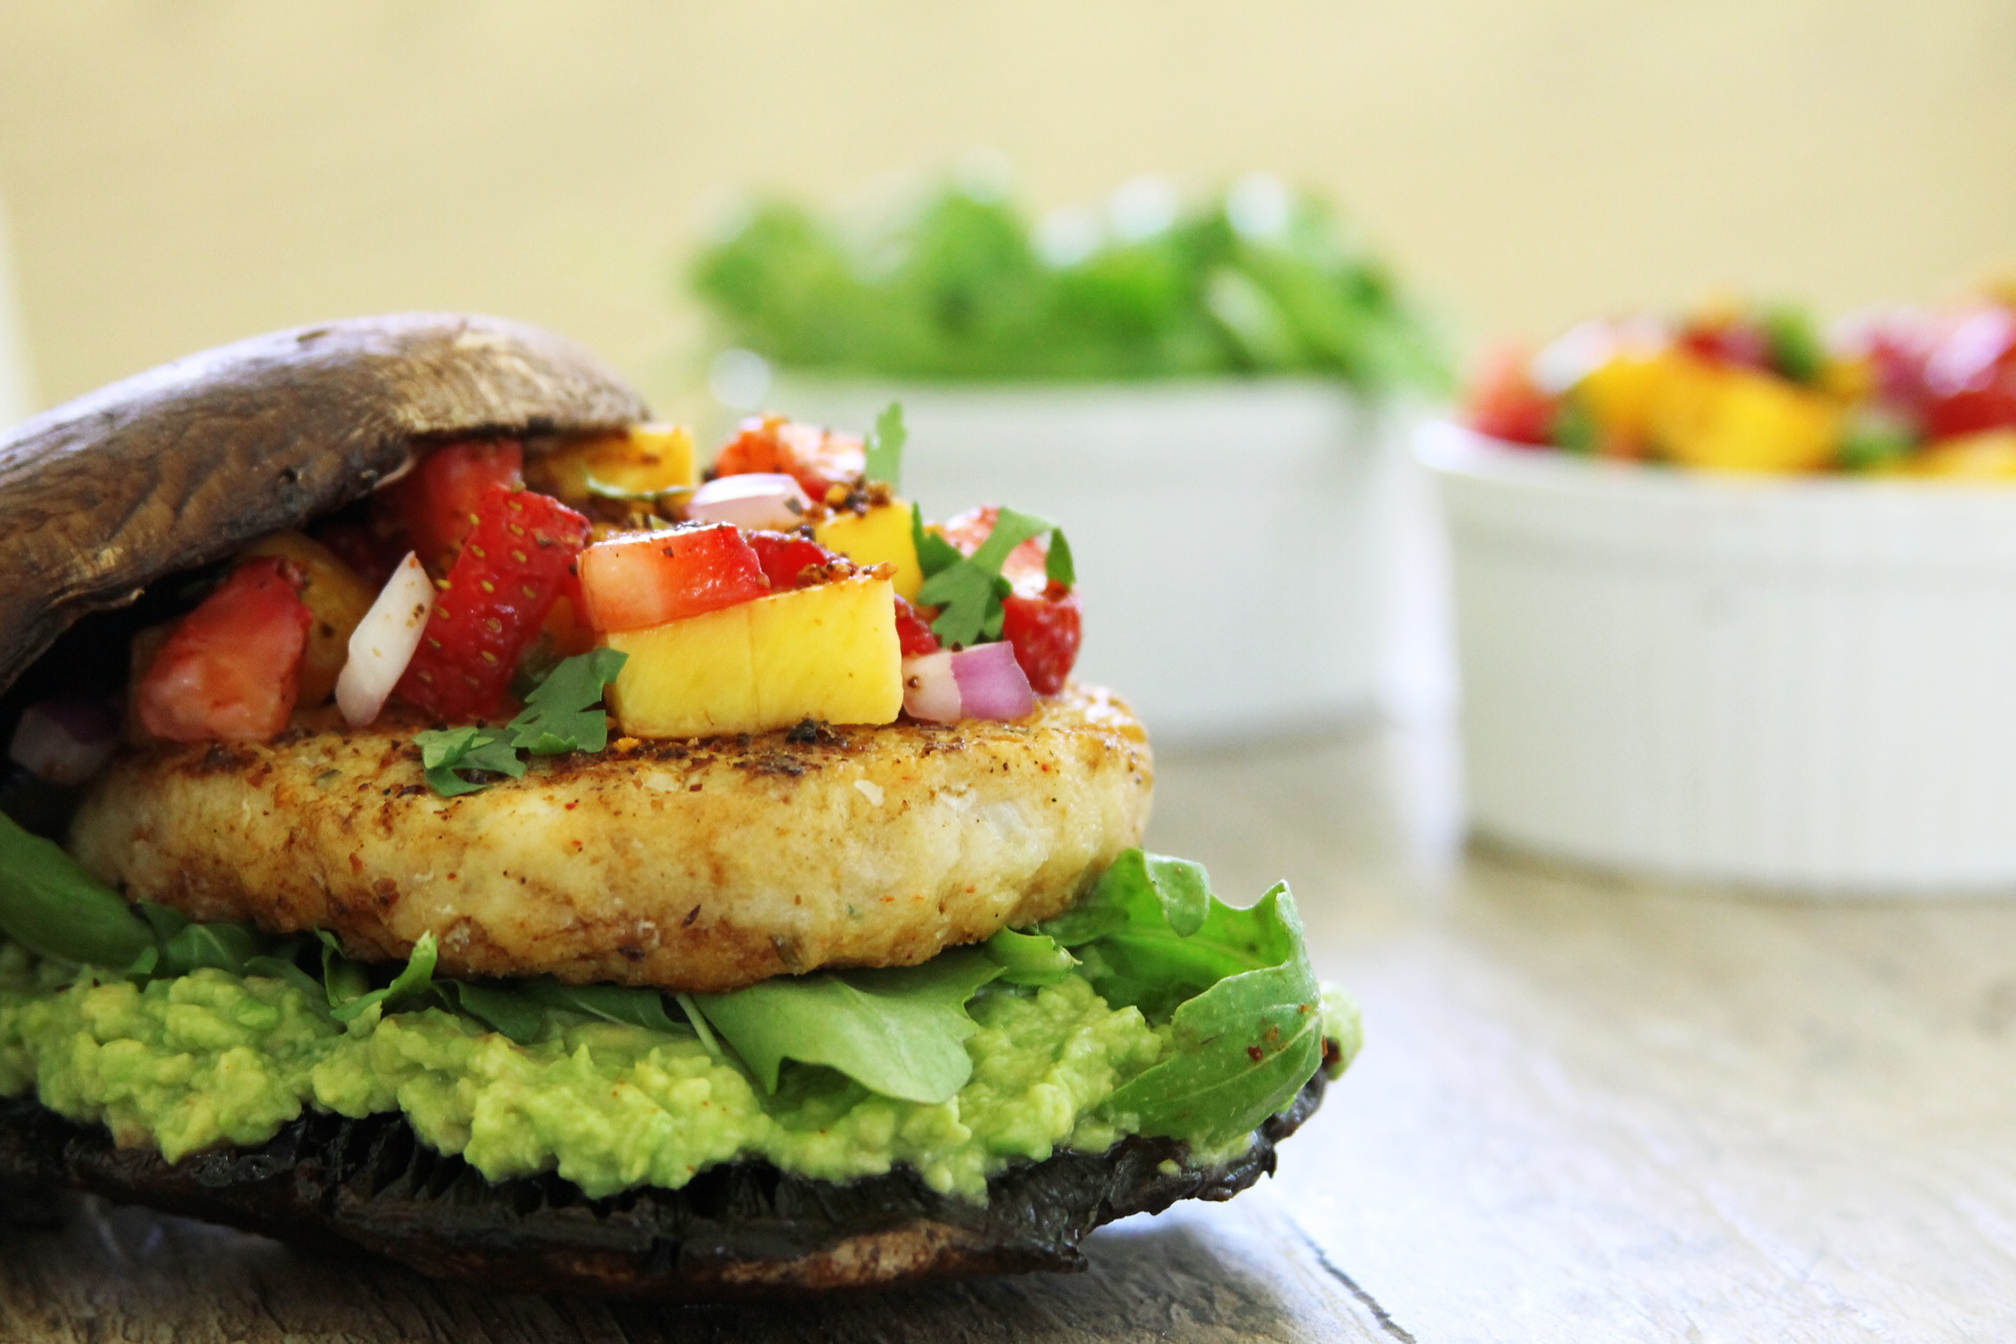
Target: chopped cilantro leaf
column 968, row 589
column 443, row 751
column 1057, row 565
column 885, row 447
column 934, row 553
column 561, row 714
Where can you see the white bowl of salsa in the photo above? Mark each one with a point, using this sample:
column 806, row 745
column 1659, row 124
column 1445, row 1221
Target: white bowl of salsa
column 1797, row 682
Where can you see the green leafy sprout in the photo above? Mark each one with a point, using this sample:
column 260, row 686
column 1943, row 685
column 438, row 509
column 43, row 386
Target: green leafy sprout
column 1258, row 279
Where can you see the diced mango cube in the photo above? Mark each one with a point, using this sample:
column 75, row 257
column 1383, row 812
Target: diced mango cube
column 879, row 536
column 1729, row 419
column 1988, row 456
column 337, row 598
column 828, row 652
column 687, row 677
column 646, row 459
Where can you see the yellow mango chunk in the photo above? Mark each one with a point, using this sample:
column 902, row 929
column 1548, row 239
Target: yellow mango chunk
column 686, row 678
column 646, row 459
column 878, row 537
column 1621, row 394
column 337, row 598
column 828, row 652
column 1725, row 419
column 1988, row 456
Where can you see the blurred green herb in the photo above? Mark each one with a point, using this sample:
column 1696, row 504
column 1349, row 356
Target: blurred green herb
column 1258, row 279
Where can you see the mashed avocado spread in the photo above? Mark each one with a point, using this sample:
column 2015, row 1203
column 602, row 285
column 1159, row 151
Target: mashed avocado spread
column 213, row 1058
column 1151, row 1007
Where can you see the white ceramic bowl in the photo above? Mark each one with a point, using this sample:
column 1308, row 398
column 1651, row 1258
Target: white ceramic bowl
column 1228, row 534
column 1803, row 683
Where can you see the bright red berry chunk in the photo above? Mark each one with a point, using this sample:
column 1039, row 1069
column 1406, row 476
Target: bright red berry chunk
column 231, row 669
column 514, row 562
column 1504, row 403
column 438, row 500
column 787, row 558
column 635, row 582
column 913, row 632
column 1045, row 632
column 809, row 454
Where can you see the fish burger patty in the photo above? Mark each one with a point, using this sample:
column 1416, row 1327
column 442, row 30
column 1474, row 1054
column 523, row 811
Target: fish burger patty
column 701, row 865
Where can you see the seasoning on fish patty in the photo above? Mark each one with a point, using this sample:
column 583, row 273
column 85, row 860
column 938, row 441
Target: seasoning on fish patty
column 704, row 864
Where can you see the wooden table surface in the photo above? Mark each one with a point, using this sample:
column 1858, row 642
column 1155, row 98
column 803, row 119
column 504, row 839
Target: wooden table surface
column 1587, row 1110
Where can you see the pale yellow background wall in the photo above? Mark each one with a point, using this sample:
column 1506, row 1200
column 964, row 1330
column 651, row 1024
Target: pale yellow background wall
column 181, row 174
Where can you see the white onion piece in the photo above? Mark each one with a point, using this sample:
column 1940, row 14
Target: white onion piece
column 384, row 641
column 992, row 684
column 753, row 499
column 65, row 741
column 931, row 688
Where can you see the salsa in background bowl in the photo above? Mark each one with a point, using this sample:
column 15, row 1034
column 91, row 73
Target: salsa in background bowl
column 1724, row 635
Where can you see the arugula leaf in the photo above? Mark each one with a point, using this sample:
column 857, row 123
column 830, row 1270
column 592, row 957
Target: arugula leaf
column 611, row 1003
column 562, row 714
column 1029, row 958
column 283, row 968
column 443, row 751
column 348, row 1001
column 899, row 1031
column 885, row 447
column 968, row 590
column 1243, row 1004
column 499, row 1006
column 52, row 906
column 1243, row 1047
column 1152, row 935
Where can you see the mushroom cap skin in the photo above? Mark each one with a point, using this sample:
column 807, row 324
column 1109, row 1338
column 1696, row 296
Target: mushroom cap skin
column 183, row 464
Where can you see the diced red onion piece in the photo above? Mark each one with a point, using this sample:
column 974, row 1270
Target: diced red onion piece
column 66, row 740
column 384, row 641
column 931, row 688
column 992, row 685
column 753, row 499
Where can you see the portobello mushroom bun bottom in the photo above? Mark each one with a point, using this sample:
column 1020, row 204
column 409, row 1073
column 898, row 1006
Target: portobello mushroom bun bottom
column 446, row 816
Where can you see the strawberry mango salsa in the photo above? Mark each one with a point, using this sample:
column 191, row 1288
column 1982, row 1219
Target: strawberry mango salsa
column 792, row 583
column 1745, row 388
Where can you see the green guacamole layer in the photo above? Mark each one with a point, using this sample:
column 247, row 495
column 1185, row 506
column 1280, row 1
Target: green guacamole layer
column 213, row 1058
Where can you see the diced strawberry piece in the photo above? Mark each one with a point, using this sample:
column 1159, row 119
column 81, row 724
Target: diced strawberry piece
column 635, row 582
column 1504, row 404
column 512, row 565
column 1045, row 632
column 913, row 632
column 1974, row 411
column 1732, row 343
column 815, row 458
column 231, row 669
column 438, row 500
column 786, row 558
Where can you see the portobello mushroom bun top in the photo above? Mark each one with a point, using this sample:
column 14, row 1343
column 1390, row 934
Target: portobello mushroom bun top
column 403, row 727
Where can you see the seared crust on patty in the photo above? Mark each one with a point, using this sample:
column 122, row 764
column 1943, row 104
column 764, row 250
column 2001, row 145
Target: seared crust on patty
column 703, row 865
